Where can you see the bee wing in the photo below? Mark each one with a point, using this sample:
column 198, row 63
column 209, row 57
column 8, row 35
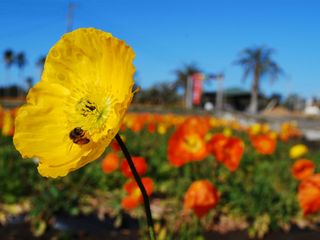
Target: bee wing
column 70, row 148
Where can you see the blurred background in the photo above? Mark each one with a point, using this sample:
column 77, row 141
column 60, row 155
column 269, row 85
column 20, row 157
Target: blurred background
column 238, row 64
column 175, row 39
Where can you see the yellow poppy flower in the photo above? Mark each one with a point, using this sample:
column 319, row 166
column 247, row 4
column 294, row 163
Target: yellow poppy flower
column 76, row 109
column 162, row 128
column 298, row 151
column 227, row 132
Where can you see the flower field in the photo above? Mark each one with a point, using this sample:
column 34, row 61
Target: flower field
column 202, row 174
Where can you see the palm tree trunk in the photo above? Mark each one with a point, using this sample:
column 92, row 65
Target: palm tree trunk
column 253, row 107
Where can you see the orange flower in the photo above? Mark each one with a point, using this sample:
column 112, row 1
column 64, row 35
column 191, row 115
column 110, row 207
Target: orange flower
column 188, row 143
column 196, row 124
column 1, row 116
column 201, row 196
column 264, row 144
column 138, row 123
column 216, row 146
column 8, row 123
column 140, row 164
column 110, row 163
column 233, row 153
column 227, row 150
column 185, row 146
column 302, row 169
column 289, row 130
column 130, row 202
column 309, row 194
column 134, row 197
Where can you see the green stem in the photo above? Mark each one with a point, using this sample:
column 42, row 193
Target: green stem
column 140, row 185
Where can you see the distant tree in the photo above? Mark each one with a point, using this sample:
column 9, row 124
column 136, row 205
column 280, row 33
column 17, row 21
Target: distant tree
column 8, row 57
column 294, row 102
column 40, row 62
column 159, row 94
column 182, row 77
column 20, row 60
column 258, row 63
column 277, row 97
column 167, row 94
column 29, row 81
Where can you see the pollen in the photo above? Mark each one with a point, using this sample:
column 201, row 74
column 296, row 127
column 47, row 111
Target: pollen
column 86, row 107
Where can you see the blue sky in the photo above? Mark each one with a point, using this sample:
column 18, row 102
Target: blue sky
column 166, row 34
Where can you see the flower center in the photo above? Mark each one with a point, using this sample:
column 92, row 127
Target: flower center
column 94, row 116
column 86, row 107
column 192, row 143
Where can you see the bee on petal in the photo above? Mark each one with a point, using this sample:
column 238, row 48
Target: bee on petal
column 77, row 135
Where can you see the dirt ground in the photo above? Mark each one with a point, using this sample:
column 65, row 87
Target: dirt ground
column 91, row 228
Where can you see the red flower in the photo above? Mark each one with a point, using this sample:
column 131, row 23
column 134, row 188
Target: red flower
column 134, row 197
column 217, row 145
column 151, row 127
column 140, row 164
column 115, row 146
column 227, row 150
column 264, row 144
column 110, row 163
column 201, row 196
column 302, row 169
column 309, row 194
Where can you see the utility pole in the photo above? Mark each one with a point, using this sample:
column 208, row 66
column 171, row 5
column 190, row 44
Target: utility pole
column 219, row 94
column 219, row 78
column 71, row 7
column 188, row 99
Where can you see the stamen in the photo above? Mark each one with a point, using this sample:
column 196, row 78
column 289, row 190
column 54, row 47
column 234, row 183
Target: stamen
column 85, row 107
column 91, row 108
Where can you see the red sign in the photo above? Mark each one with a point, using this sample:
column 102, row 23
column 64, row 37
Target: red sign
column 197, row 79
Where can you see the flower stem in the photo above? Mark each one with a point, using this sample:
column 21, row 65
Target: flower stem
column 140, row 185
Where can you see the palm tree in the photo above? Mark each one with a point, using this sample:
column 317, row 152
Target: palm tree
column 182, row 76
column 20, row 61
column 8, row 57
column 40, row 62
column 29, row 81
column 258, row 63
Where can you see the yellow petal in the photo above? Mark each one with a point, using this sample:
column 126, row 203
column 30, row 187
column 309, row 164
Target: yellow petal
column 87, row 85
